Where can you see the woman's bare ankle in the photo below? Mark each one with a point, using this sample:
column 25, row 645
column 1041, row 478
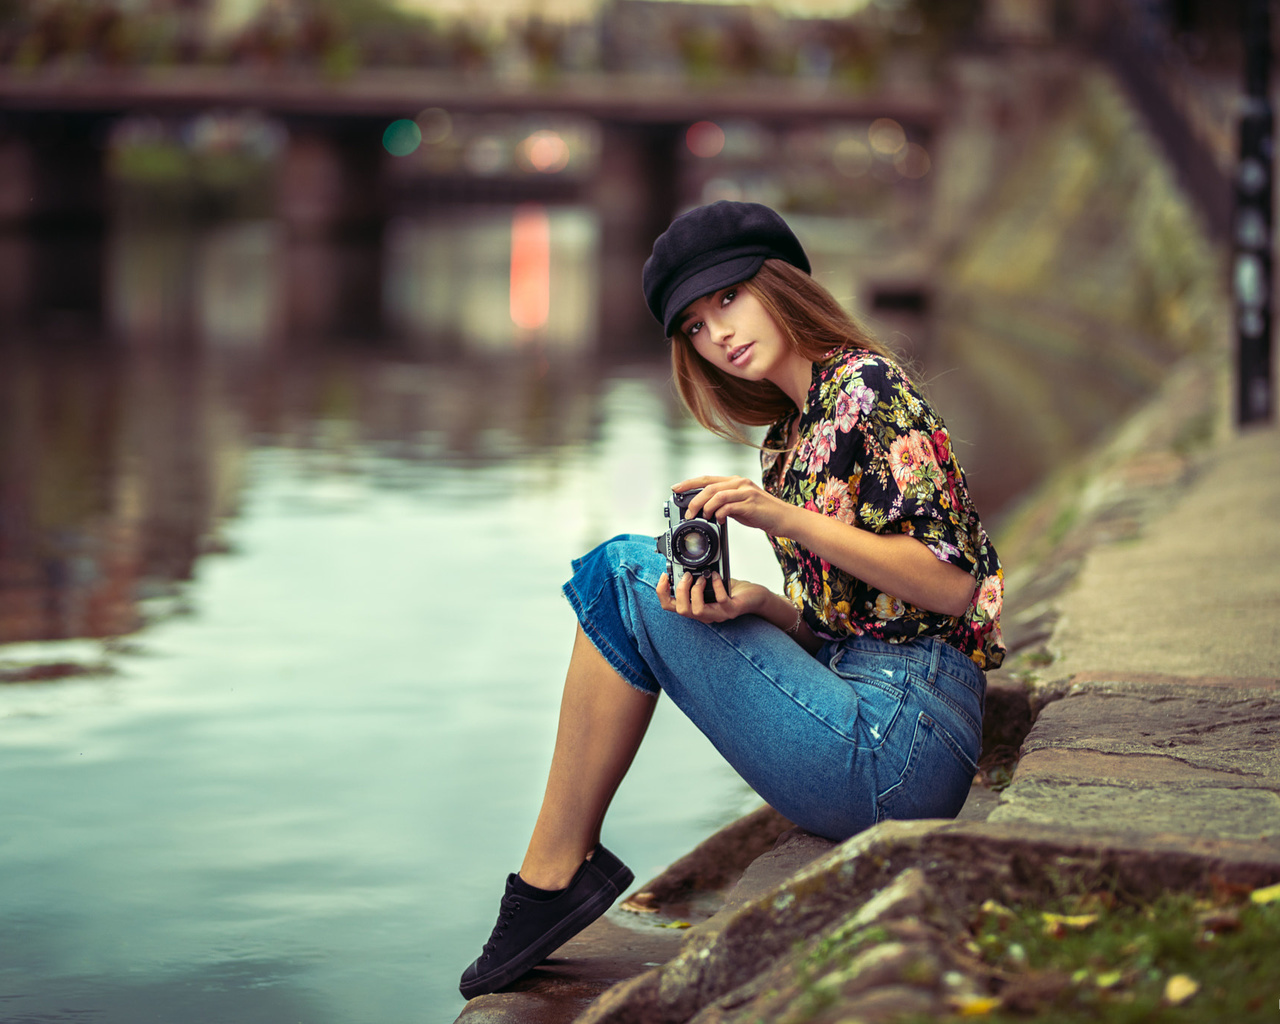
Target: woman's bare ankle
column 551, row 874
column 551, row 881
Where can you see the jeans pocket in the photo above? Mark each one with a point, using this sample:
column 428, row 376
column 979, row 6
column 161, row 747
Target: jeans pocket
column 936, row 779
column 881, row 681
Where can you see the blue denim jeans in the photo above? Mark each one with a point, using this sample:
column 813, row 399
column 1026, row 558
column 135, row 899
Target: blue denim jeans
column 862, row 731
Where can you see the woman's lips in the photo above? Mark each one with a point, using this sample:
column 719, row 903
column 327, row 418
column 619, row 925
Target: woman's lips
column 739, row 354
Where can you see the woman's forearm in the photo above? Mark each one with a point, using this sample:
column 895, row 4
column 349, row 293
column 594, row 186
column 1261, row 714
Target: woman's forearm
column 893, row 563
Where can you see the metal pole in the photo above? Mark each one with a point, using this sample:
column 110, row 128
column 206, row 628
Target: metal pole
column 1252, row 272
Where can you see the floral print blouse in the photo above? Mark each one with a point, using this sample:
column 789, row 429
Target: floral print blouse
column 872, row 452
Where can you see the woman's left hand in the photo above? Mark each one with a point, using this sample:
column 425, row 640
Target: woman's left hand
column 737, row 498
column 689, row 597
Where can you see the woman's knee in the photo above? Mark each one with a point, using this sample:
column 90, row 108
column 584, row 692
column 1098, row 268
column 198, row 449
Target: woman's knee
column 630, row 559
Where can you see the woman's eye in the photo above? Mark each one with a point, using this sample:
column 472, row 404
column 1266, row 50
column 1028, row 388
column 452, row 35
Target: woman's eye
column 728, row 297
column 693, row 329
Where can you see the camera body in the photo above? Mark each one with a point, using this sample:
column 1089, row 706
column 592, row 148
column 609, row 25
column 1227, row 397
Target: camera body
column 698, row 545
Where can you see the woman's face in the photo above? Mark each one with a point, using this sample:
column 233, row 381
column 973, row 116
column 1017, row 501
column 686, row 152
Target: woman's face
column 733, row 332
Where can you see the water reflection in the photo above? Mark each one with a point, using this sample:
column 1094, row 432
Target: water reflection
column 448, row 277
column 117, row 472
column 109, row 477
column 52, row 282
column 123, row 447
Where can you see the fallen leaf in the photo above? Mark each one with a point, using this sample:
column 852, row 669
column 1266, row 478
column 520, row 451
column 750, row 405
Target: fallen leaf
column 975, row 1006
column 1268, row 895
column 1058, row 925
column 640, row 903
column 1109, row 979
column 1071, row 920
column 1179, row 989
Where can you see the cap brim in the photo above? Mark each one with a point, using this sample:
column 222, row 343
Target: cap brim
column 707, row 281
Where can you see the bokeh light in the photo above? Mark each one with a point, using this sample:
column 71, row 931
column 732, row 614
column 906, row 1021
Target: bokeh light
column 912, row 161
column 1250, row 280
column 486, row 155
column 886, row 136
column 435, row 124
column 705, row 139
column 1251, row 228
column 545, row 151
column 402, row 137
column 851, row 157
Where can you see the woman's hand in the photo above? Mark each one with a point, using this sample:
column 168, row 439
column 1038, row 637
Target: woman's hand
column 741, row 598
column 690, row 597
column 737, row 498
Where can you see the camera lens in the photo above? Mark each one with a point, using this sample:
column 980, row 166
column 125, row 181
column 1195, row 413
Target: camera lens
column 696, row 544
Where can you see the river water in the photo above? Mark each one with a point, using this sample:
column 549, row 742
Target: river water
column 283, row 636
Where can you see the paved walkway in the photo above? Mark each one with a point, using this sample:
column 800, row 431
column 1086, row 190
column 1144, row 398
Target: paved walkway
column 1161, row 705
column 1170, row 646
column 1199, row 593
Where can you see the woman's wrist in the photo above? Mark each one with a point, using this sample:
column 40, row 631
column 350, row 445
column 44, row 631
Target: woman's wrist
column 790, row 619
column 782, row 613
column 791, row 520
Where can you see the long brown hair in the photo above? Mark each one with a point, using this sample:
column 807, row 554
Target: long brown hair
column 811, row 321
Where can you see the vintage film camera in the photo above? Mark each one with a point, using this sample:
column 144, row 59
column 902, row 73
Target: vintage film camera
column 699, row 546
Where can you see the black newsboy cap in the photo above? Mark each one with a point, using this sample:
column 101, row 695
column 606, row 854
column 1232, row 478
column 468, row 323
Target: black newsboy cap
column 712, row 247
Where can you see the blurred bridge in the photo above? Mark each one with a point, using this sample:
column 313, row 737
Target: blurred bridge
column 332, row 177
column 61, row 119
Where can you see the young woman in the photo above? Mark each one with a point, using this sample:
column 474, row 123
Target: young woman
column 854, row 696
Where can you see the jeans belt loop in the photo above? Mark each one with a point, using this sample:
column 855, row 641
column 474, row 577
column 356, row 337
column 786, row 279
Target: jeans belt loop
column 935, row 660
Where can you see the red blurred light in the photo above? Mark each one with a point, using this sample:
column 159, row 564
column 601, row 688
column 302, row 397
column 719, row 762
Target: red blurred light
column 530, row 267
column 705, row 139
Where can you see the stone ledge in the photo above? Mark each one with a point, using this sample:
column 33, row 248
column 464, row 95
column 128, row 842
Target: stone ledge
column 965, row 863
column 1235, row 813
column 1180, row 728
column 1071, row 765
column 564, row 985
column 1161, row 682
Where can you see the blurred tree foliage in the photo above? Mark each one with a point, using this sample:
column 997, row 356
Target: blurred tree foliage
column 337, row 37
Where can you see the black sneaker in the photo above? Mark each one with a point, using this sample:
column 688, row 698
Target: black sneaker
column 528, row 930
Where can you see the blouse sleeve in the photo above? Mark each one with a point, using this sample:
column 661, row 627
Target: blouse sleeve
column 891, row 451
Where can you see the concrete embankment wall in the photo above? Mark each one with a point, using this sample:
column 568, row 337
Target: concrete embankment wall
column 1091, row 308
